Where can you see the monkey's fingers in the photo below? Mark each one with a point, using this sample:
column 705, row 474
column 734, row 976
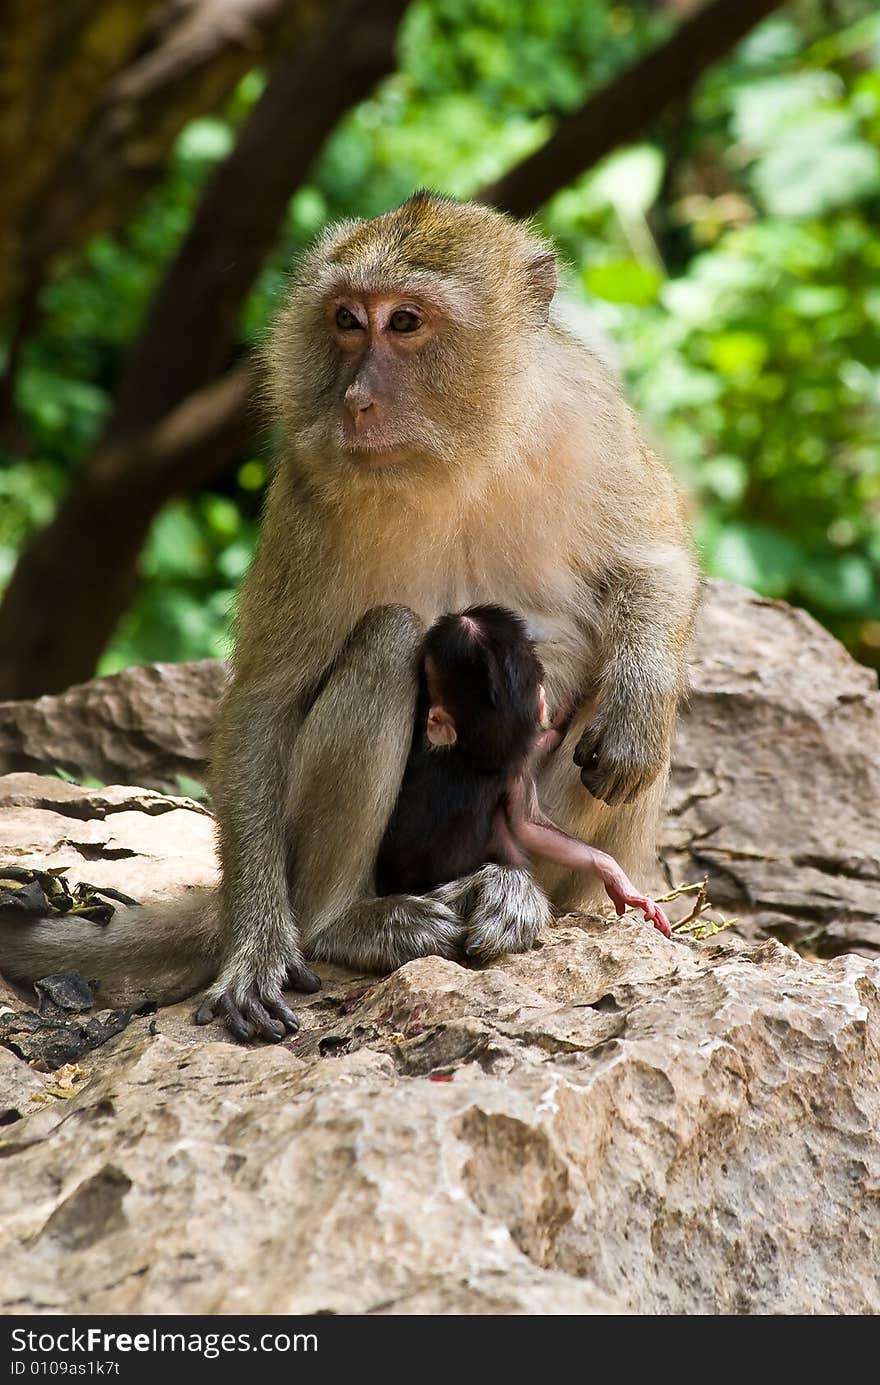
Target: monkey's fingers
column 586, row 752
column 623, row 896
column 615, row 783
column 603, row 782
column 656, row 916
column 599, row 775
column 652, row 912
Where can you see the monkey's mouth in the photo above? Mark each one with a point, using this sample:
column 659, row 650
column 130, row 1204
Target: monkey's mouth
column 372, row 446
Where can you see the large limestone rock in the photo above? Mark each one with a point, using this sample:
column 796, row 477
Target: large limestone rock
column 146, row 844
column 775, row 791
column 147, row 725
column 610, row 1123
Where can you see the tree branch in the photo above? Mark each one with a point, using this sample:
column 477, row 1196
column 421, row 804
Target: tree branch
column 188, row 65
column 192, row 324
column 78, row 574
column 158, row 440
column 624, row 108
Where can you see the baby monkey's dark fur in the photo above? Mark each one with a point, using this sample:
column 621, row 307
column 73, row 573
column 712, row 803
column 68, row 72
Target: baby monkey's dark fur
column 480, row 667
column 468, row 793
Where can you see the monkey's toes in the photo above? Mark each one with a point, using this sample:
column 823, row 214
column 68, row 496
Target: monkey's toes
column 302, row 978
column 509, row 910
column 251, row 1017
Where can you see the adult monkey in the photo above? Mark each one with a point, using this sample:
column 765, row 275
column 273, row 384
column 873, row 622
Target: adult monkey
column 442, row 443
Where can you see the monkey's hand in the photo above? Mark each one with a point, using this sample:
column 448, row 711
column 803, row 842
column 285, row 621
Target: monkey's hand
column 256, row 1008
column 616, row 765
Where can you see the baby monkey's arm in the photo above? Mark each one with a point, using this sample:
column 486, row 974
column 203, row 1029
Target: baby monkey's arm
column 526, row 828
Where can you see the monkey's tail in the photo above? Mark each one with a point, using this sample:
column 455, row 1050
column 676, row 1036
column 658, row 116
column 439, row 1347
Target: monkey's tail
column 162, row 952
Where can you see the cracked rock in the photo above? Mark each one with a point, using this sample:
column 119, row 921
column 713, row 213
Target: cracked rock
column 707, row 1140
column 776, row 777
column 128, row 839
column 146, row 725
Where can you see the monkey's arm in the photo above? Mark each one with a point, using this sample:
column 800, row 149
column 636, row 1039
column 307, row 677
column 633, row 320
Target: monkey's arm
column 649, row 606
column 262, row 953
column 537, row 835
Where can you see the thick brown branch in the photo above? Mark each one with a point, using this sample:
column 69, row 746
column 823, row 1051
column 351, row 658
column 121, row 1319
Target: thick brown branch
column 79, row 573
column 185, row 343
column 192, row 324
column 55, row 62
column 624, row 108
column 195, row 442
column 187, row 66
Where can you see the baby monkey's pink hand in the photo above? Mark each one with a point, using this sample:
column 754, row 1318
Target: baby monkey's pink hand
column 624, row 895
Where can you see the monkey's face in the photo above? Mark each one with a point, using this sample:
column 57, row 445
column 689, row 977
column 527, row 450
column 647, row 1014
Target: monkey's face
column 406, row 342
column 387, row 347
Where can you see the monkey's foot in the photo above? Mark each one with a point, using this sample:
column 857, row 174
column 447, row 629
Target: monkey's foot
column 250, row 1012
column 381, row 934
column 301, row 978
column 505, row 910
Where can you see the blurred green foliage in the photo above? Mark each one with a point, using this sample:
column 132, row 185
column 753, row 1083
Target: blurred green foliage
column 732, row 262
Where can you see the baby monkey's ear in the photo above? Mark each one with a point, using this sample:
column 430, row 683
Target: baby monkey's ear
column 543, row 713
column 441, row 727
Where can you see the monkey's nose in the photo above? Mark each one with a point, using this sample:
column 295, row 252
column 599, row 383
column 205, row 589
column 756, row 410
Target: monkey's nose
column 358, row 404
column 361, row 419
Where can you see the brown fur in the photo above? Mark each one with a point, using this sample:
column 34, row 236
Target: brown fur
column 523, row 480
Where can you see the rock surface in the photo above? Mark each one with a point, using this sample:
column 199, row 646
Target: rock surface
column 610, row 1123
column 775, row 791
column 135, row 840
column 147, row 725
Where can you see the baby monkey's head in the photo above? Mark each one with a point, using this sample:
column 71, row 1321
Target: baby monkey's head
column 484, row 683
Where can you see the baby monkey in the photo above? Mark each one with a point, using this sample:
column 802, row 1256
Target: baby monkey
column 468, row 794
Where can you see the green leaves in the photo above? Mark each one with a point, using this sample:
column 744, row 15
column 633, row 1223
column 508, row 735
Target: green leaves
column 624, row 281
column 739, row 355
column 817, row 165
column 629, row 181
column 205, row 141
column 756, row 556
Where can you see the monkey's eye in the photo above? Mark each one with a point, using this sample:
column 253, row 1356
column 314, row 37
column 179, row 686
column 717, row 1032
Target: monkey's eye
column 404, row 321
column 346, row 320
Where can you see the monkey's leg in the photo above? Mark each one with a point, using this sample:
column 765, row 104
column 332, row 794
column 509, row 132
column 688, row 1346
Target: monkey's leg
column 261, row 951
column 347, row 764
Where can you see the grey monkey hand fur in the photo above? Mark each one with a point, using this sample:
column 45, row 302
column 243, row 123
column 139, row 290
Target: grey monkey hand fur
column 616, row 771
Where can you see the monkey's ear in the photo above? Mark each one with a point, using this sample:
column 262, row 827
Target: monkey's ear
column 441, row 727
column 543, row 278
